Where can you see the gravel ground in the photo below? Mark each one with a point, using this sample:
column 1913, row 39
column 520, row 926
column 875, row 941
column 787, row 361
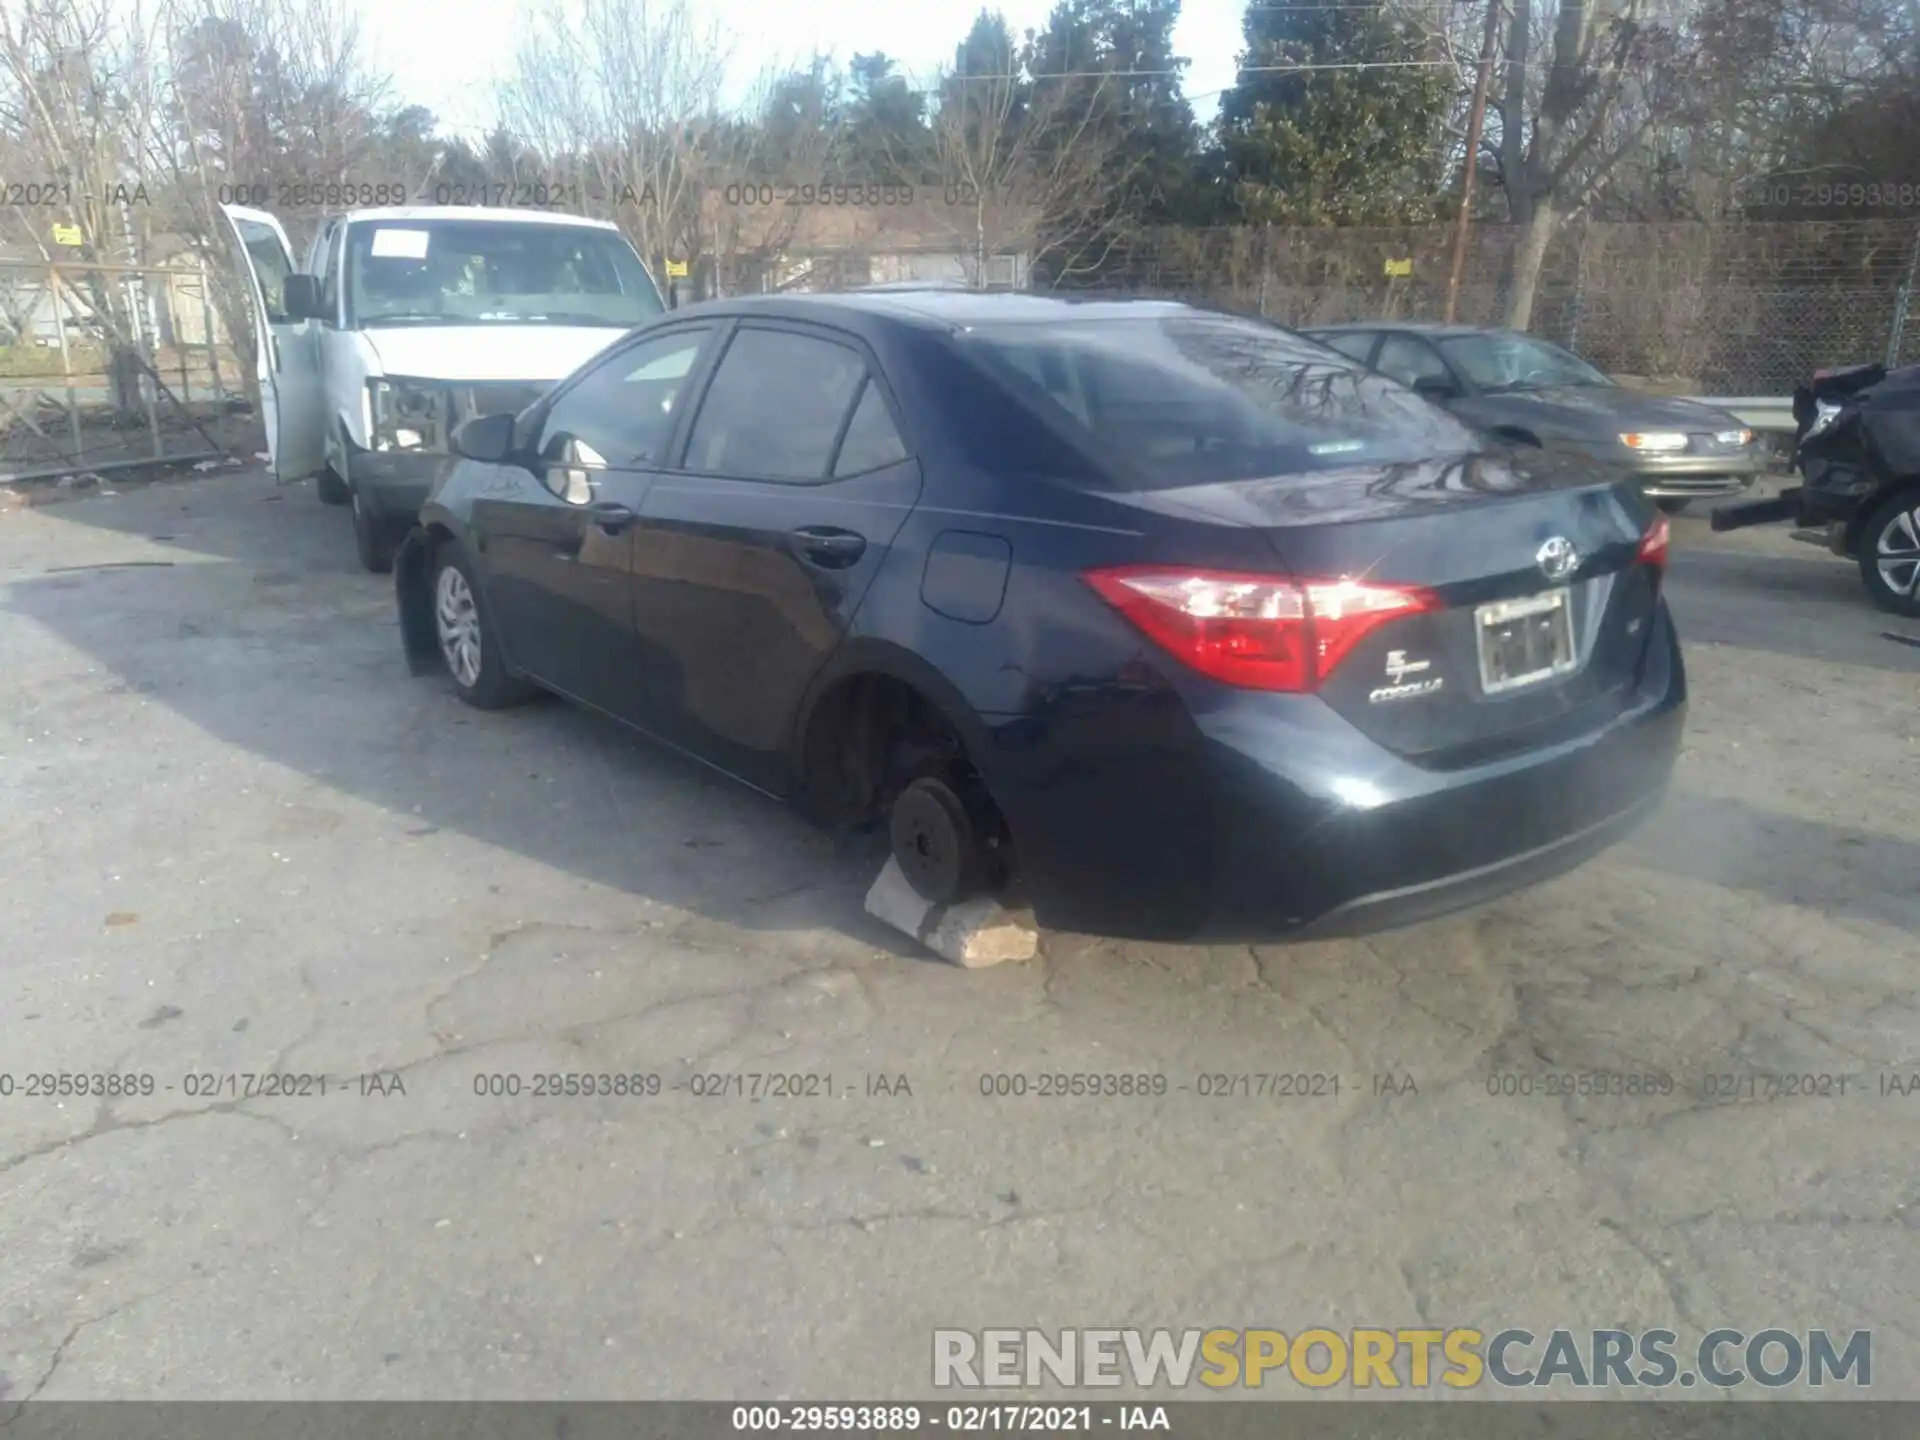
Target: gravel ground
column 237, row 837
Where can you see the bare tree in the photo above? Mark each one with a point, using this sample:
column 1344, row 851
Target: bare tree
column 625, row 95
column 255, row 94
column 76, row 92
column 1616, row 69
column 1031, row 168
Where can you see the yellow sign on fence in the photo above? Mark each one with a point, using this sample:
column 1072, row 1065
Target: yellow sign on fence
column 676, row 269
column 67, row 235
column 1397, row 268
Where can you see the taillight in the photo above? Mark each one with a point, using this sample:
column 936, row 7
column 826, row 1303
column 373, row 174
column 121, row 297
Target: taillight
column 1653, row 545
column 1261, row 632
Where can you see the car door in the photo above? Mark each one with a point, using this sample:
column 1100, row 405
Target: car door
column 342, row 373
column 286, row 360
column 555, row 540
column 755, row 550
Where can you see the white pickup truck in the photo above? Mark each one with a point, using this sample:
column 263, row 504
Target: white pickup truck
column 405, row 321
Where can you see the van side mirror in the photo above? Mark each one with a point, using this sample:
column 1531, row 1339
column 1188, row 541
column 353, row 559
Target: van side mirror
column 1435, row 387
column 301, row 296
column 485, row 437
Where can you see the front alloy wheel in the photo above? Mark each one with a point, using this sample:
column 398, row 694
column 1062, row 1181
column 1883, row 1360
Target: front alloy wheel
column 1890, row 554
column 457, row 619
column 467, row 643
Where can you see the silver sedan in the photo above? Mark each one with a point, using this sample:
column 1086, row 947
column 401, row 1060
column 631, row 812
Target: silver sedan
column 1529, row 392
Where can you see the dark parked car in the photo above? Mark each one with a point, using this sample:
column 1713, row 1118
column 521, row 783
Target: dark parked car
column 1526, row 391
column 1180, row 624
column 1857, row 448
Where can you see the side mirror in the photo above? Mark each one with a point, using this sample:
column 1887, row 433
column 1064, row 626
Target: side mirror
column 302, row 298
column 485, row 437
column 1435, row 388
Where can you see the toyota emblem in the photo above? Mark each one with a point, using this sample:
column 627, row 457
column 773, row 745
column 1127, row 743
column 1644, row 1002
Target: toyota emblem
column 1557, row 558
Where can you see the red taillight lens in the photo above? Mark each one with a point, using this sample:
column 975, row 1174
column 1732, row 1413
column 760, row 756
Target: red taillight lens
column 1261, row 632
column 1653, row 545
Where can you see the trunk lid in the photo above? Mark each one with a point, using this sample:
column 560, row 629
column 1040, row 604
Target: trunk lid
column 1475, row 532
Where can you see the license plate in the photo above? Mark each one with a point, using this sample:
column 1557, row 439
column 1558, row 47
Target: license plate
column 1523, row 642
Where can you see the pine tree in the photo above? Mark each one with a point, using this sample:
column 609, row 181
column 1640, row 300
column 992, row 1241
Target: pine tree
column 1343, row 143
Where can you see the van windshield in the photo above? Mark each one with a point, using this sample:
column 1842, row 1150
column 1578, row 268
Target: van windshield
column 1200, row 399
column 494, row 272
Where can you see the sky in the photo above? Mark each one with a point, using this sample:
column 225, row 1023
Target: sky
column 445, row 60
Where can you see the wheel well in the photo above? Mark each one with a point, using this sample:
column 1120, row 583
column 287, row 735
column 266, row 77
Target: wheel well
column 868, row 737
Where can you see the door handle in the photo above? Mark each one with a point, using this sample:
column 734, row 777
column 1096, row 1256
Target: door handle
column 611, row 516
column 828, row 548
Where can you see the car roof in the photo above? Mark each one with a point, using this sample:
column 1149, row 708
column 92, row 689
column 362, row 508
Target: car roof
column 940, row 308
column 417, row 214
column 1412, row 327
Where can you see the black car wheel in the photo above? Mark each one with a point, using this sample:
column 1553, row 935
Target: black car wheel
column 371, row 538
column 331, row 489
column 1889, row 550
column 935, row 843
column 465, row 635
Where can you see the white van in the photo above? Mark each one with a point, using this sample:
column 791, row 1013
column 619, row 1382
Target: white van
column 406, row 321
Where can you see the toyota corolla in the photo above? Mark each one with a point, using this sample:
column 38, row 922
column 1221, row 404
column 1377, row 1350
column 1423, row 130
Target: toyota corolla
column 1175, row 624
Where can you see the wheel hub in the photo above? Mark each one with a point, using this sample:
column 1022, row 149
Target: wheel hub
column 934, row 842
column 457, row 619
column 1897, row 552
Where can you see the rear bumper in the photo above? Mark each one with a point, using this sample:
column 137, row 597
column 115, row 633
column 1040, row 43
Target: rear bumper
column 1427, row 900
column 1275, row 818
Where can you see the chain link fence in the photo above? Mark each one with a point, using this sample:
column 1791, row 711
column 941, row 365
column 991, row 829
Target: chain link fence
column 1706, row 309
column 107, row 367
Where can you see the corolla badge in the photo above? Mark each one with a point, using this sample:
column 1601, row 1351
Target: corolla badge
column 1557, row 558
column 1399, row 686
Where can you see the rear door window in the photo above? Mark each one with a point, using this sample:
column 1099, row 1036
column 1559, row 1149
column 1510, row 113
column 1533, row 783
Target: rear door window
column 776, row 407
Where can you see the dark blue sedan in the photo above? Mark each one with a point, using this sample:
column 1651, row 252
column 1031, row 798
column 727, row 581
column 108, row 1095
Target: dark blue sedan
column 1178, row 624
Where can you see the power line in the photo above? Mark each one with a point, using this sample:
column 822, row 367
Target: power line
column 1241, row 70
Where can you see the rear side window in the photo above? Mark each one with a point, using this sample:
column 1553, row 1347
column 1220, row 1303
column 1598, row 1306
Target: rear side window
column 871, row 442
column 1199, row 399
column 1408, row 359
column 983, row 421
column 1355, row 345
column 775, row 407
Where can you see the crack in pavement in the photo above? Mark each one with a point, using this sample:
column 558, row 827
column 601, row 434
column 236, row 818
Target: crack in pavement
column 74, row 1332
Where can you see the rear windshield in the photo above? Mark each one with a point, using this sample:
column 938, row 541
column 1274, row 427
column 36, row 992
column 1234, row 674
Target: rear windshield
column 1197, row 399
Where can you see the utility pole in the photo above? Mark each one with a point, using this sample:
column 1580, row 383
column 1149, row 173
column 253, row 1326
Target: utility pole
column 1475, row 120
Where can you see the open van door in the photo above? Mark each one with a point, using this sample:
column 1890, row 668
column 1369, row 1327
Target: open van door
column 292, row 389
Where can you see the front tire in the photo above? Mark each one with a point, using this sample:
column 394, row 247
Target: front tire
column 1889, row 550
column 464, row 632
column 371, row 538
